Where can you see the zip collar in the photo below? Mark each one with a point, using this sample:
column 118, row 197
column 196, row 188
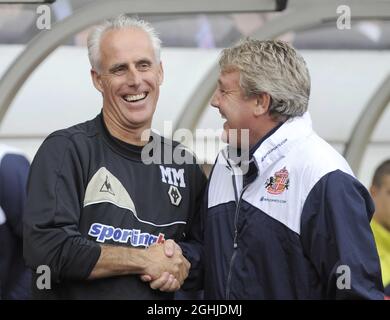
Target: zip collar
column 282, row 141
column 276, row 144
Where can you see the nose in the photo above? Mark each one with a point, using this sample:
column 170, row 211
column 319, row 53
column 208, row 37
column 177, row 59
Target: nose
column 215, row 100
column 133, row 78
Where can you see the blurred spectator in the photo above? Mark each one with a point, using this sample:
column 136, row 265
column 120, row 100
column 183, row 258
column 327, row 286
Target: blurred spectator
column 380, row 224
column 15, row 277
column 62, row 9
column 204, row 36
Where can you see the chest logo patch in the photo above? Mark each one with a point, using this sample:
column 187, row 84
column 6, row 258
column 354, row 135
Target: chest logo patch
column 173, row 176
column 278, row 183
column 106, row 187
column 174, row 195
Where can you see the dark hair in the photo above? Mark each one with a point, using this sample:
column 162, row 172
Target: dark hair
column 380, row 172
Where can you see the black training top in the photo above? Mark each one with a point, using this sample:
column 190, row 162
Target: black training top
column 87, row 188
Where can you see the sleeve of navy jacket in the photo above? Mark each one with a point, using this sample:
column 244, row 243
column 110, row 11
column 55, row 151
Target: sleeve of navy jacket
column 337, row 239
column 14, row 173
column 15, row 278
column 55, row 195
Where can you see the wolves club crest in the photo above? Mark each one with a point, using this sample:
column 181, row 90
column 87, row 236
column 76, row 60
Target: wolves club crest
column 278, row 183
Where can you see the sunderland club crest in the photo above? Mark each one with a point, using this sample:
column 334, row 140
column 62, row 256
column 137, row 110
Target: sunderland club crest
column 278, row 183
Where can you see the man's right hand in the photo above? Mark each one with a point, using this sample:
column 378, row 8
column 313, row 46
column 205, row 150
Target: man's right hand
column 166, row 262
column 168, row 282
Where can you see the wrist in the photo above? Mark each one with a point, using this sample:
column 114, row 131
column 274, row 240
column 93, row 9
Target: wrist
column 137, row 260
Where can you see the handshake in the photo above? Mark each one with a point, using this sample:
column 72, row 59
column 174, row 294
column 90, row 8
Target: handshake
column 167, row 268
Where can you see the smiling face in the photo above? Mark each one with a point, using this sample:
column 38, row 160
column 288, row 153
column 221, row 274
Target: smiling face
column 129, row 80
column 233, row 105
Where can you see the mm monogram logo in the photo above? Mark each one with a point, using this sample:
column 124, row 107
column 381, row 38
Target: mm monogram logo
column 173, row 176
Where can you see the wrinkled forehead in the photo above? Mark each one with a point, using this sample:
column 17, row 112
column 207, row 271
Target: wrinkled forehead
column 126, row 45
column 229, row 76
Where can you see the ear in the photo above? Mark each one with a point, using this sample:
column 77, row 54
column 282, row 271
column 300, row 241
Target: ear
column 97, row 80
column 160, row 74
column 263, row 101
column 373, row 191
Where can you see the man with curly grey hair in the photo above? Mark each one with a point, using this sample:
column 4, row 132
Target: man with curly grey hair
column 289, row 221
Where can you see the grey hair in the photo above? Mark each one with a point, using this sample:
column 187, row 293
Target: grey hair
column 272, row 67
column 120, row 22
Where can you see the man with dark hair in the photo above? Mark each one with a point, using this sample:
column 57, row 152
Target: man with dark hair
column 380, row 224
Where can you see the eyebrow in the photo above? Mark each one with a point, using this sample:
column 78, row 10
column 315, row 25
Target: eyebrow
column 118, row 65
column 144, row 60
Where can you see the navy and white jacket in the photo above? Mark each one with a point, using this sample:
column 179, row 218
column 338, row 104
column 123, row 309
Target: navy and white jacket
column 295, row 226
column 15, row 277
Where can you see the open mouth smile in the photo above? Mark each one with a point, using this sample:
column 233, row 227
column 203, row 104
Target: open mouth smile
column 135, row 97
